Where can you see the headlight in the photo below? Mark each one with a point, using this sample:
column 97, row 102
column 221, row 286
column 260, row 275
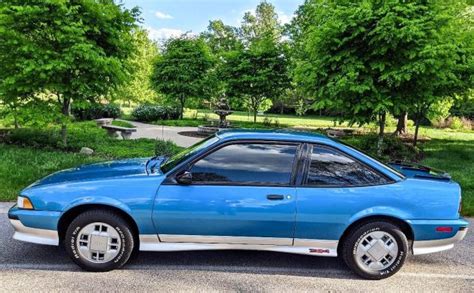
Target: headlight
column 24, row 203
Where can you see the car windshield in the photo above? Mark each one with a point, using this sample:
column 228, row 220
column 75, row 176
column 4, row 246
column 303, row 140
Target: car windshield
column 182, row 156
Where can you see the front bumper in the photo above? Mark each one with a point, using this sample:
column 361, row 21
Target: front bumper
column 430, row 246
column 34, row 235
column 35, row 226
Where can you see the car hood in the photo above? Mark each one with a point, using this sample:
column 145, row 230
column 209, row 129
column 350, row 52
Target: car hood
column 99, row 171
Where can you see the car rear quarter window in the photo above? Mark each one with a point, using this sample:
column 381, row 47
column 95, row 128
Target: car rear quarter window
column 247, row 163
column 329, row 167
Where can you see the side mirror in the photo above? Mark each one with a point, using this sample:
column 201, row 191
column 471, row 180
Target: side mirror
column 184, row 178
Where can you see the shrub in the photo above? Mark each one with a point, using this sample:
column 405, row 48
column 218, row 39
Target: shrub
column 111, row 111
column 393, row 148
column 439, row 123
column 455, row 123
column 390, row 121
column 149, row 113
column 439, row 111
column 95, row 111
column 79, row 135
column 267, row 121
column 166, row 148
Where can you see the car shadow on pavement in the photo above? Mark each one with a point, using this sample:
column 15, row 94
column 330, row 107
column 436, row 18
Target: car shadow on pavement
column 25, row 256
column 245, row 261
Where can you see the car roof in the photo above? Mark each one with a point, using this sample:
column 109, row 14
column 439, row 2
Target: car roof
column 284, row 135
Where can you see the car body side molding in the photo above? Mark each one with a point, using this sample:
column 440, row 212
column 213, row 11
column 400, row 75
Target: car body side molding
column 301, row 246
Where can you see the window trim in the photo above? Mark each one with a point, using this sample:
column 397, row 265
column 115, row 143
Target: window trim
column 307, row 164
column 297, row 162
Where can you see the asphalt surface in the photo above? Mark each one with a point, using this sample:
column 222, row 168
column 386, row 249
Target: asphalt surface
column 28, row 267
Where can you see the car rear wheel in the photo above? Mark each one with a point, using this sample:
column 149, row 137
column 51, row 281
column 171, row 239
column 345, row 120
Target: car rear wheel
column 99, row 240
column 375, row 250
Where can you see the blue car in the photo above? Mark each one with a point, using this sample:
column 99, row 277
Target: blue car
column 277, row 191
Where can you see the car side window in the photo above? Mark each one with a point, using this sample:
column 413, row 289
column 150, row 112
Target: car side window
column 247, row 163
column 330, row 167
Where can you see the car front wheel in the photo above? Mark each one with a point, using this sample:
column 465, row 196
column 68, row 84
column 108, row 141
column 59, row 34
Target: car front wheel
column 99, row 241
column 375, row 250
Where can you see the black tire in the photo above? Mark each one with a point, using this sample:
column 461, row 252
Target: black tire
column 358, row 234
column 107, row 217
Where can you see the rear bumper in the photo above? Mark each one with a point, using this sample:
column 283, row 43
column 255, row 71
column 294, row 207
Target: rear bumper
column 430, row 246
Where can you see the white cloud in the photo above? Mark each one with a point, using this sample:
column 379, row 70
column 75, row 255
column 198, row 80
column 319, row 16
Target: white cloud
column 284, row 18
column 162, row 15
column 163, row 33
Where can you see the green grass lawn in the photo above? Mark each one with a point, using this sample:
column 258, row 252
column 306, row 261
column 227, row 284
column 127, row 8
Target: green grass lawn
column 457, row 158
column 21, row 166
column 284, row 120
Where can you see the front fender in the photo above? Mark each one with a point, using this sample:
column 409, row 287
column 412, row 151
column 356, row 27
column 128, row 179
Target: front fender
column 97, row 200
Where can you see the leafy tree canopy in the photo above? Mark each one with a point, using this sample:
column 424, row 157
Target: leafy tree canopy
column 373, row 57
column 180, row 72
column 72, row 49
column 138, row 86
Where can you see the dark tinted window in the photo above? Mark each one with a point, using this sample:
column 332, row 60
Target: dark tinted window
column 332, row 168
column 247, row 163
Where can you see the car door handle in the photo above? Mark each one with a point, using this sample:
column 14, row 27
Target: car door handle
column 275, row 197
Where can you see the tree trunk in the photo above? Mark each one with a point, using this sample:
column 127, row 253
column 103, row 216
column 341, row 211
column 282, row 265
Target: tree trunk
column 417, row 127
column 66, row 111
column 402, row 124
column 15, row 118
column 181, row 110
column 382, row 119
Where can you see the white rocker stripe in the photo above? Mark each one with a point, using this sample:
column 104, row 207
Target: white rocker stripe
column 225, row 239
column 308, row 246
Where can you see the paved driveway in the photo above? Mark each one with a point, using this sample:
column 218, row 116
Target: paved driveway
column 28, row 267
column 164, row 132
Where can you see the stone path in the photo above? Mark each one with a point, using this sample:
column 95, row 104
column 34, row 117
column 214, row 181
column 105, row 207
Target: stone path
column 164, row 132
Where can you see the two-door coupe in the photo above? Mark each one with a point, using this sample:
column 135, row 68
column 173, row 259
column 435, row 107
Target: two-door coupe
column 278, row 191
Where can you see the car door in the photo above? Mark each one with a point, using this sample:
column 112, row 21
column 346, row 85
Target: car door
column 240, row 193
column 334, row 188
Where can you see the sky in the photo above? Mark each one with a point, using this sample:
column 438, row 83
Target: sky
column 167, row 18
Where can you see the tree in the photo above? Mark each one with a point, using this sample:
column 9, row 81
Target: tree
column 257, row 71
column 138, row 87
column 263, row 23
column 369, row 58
column 180, row 72
column 221, row 38
column 257, row 74
column 73, row 50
